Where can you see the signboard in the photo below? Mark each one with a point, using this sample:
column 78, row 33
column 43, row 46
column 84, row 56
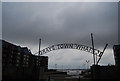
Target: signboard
column 71, row 46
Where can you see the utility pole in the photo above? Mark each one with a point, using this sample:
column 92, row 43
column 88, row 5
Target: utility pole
column 93, row 48
column 39, row 75
column 39, row 46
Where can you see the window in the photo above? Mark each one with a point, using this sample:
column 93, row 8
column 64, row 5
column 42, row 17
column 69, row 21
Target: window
column 27, row 56
column 27, row 63
column 17, row 64
column 11, row 56
column 18, row 61
column 18, row 53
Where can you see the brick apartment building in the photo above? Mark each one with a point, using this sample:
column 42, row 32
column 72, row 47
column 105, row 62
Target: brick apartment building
column 18, row 63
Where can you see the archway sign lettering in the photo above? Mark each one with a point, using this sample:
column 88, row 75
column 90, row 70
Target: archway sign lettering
column 71, row 46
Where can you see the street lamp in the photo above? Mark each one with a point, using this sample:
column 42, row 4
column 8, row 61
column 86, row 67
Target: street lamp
column 55, row 66
column 87, row 61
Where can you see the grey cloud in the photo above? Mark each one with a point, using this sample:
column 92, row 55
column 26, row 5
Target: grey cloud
column 24, row 23
column 56, row 22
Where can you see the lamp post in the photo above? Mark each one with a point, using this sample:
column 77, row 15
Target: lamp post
column 87, row 61
column 55, row 66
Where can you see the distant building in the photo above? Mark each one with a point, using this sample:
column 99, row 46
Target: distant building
column 26, row 57
column 44, row 62
column 116, row 49
column 36, row 61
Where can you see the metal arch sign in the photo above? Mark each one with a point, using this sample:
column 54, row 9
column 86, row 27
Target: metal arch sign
column 71, row 46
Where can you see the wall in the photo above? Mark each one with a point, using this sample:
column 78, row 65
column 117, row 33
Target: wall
column 103, row 72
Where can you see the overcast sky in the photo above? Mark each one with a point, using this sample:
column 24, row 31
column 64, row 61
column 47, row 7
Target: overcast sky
column 54, row 22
